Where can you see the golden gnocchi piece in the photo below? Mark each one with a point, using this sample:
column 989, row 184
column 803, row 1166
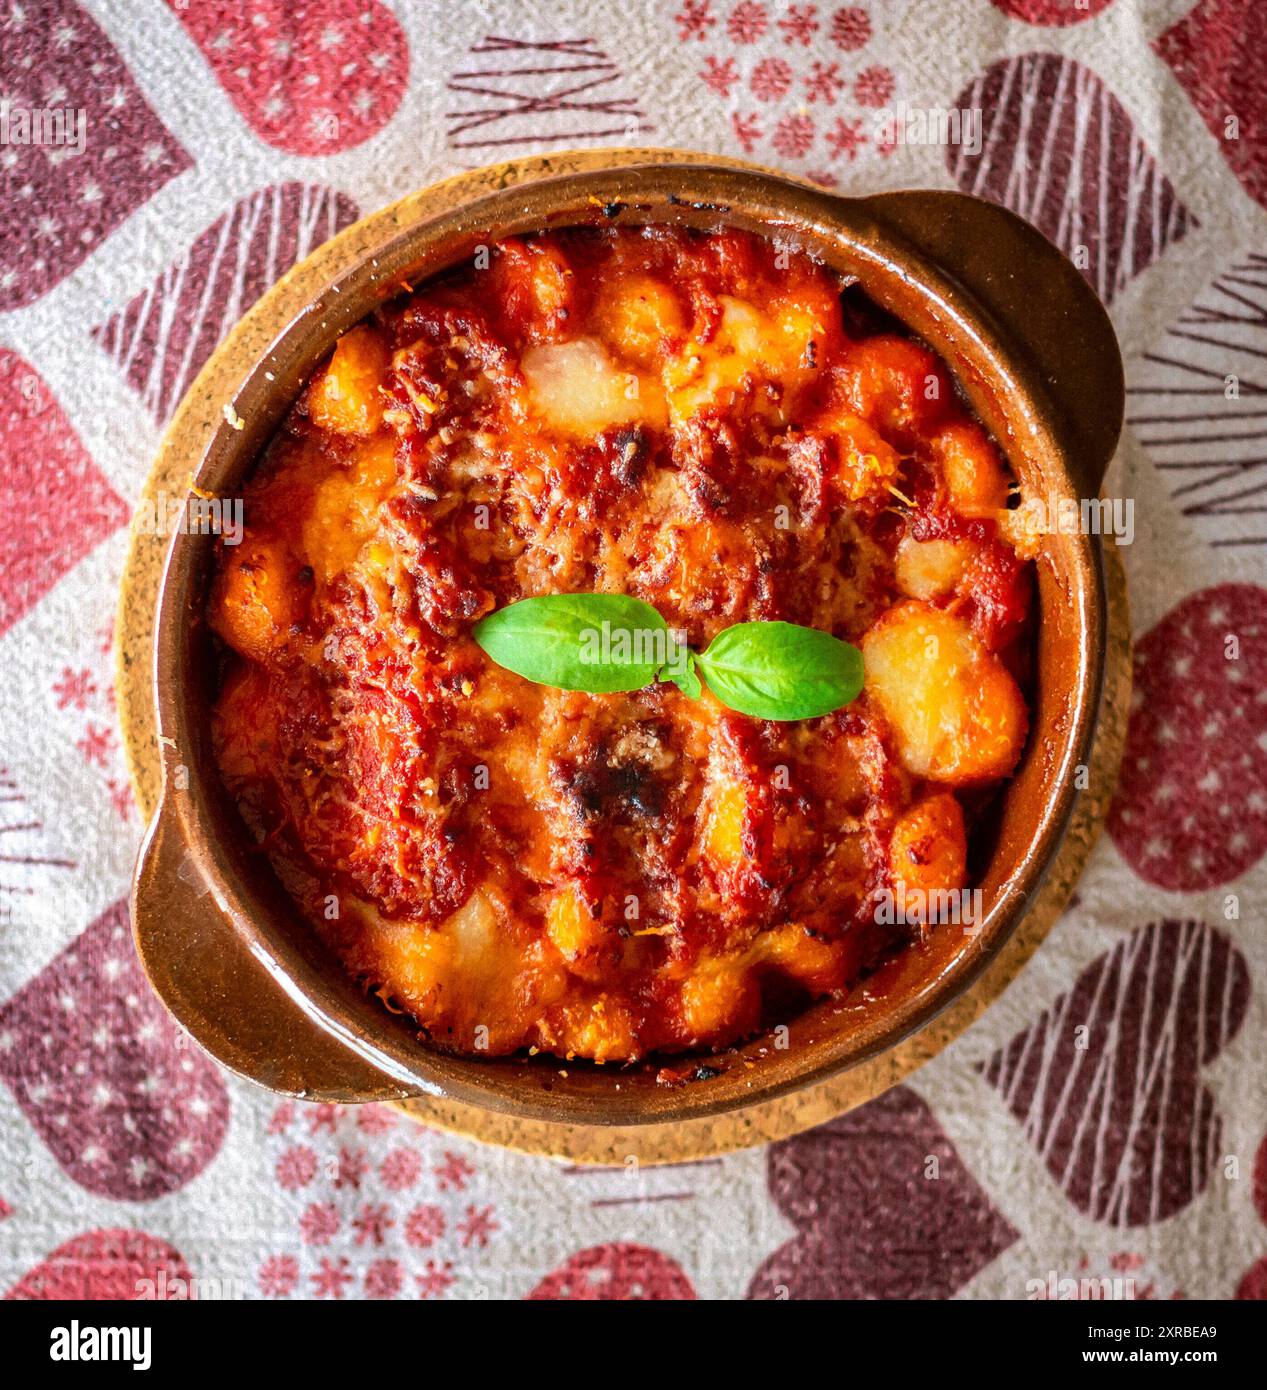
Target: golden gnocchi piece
column 865, row 465
column 1024, row 528
column 895, row 383
column 345, row 507
column 532, row 283
column 957, row 715
column 928, row 853
column 930, row 569
column 345, row 398
column 579, row 390
column 458, row 975
column 260, row 594
column 809, row 961
column 718, row 989
column 600, row 1028
column 245, row 723
column 576, row 933
column 974, row 473
column 641, row 318
column 749, row 346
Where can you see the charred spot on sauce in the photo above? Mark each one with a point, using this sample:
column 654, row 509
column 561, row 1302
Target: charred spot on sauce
column 607, row 786
column 631, row 448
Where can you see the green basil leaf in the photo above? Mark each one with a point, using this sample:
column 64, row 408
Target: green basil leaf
column 686, row 679
column 781, row 670
column 599, row 643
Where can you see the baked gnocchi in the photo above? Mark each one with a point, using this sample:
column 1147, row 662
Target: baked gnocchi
column 711, row 423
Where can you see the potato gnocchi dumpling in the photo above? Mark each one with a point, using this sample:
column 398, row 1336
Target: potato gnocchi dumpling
column 956, row 713
column 928, row 853
column 641, row 319
column 260, row 595
column 897, row 384
column 344, row 398
column 577, row 388
column 973, row 471
column 708, row 421
column 865, row 464
column 931, row 569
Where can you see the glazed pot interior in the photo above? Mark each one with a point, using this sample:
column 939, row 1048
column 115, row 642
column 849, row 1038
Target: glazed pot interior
column 1033, row 808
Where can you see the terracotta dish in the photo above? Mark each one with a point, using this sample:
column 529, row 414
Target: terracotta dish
column 1033, row 352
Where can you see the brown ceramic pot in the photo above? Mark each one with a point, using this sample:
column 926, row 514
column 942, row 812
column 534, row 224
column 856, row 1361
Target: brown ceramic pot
column 1035, row 353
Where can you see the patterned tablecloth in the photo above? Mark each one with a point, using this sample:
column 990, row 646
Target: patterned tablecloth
column 1106, row 1118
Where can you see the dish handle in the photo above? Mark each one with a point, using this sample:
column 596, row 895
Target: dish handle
column 221, row 994
column 1055, row 324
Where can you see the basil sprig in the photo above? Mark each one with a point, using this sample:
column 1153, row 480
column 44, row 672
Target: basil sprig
column 559, row 640
column 603, row 643
column 781, row 670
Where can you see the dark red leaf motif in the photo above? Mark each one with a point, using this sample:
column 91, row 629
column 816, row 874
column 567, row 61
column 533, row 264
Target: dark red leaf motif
column 47, row 478
column 1190, row 810
column 1215, row 51
column 1060, row 150
column 1106, row 1081
column 620, row 1271
column 315, row 77
column 29, row 863
column 99, row 1069
column 530, row 92
column 118, row 1265
column 163, row 337
column 61, row 200
column 885, row 1208
column 1197, row 405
